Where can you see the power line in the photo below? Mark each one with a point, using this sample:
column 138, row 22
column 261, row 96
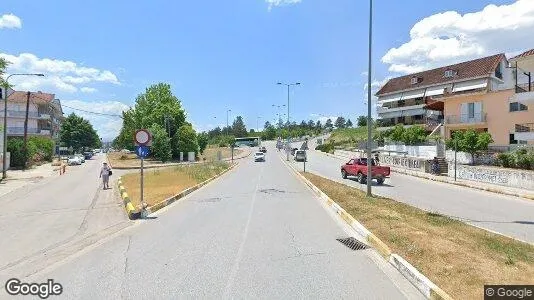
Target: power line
column 92, row 112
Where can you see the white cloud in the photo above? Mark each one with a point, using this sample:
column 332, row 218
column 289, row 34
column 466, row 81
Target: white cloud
column 107, row 127
column 87, row 89
column 60, row 75
column 10, row 21
column 449, row 37
column 275, row 3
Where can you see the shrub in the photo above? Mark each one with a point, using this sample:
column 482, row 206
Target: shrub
column 41, row 148
column 506, row 160
column 14, row 147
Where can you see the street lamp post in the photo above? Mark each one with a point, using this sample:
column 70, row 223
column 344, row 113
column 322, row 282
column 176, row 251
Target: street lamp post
column 6, row 87
column 288, row 85
column 227, row 129
column 369, row 164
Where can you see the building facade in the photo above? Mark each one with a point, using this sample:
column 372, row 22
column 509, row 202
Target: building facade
column 523, row 95
column 474, row 94
column 44, row 114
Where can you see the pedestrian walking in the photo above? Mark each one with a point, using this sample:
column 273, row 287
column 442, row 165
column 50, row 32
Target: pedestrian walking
column 377, row 160
column 105, row 172
column 435, row 166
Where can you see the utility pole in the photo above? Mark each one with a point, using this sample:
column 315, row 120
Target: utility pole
column 369, row 120
column 288, row 85
column 25, row 147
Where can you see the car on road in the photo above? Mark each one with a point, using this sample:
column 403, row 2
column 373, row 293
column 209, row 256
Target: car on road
column 81, row 157
column 358, row 167
column 88, row 155
column 293, row 150
column 263, row 149
column 259, row 156
column 300, row 155
column 74, row 161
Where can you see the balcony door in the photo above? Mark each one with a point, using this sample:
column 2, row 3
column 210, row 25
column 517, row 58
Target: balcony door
column 471, row 112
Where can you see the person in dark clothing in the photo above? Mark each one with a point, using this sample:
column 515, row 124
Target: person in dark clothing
column 435, row 166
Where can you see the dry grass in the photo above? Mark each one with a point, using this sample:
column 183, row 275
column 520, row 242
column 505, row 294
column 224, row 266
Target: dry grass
column 210, row 154
column 160, row 184
column 458, row 257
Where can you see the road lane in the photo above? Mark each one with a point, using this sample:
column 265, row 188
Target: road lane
column 257, row 232
column 54, row 211
column 504, row 214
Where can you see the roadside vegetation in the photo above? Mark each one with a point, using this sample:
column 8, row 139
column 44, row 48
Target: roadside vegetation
column 519, row 159
column 39, row 151
column 161, row 184
column 458, row 257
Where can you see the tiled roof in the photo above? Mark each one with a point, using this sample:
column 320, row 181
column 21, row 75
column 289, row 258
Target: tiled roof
column 524, row 54
column 470, row 69
column 34, row 96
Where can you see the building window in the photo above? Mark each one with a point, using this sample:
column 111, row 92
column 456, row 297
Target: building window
column 516, row 106
column 416, row 80
column 498, row 72
column 470, row 110
column 512, row 139
column 450, row 73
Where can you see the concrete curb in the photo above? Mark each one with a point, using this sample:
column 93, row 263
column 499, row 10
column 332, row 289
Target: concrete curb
column 421, row 282
column 128, row 206
column 151, row 209
column 443, row 180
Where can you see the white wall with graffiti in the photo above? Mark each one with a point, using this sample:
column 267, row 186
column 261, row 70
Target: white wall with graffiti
column 506, row 177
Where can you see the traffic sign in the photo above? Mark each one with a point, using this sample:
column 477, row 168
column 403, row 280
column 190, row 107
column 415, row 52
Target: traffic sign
column 143, row 137
column 142, row 151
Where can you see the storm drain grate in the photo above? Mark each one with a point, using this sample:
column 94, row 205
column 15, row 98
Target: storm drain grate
column 353, row 243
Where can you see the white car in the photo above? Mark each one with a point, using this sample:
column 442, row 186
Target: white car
column 259, row 156
column 81, row 157
column 74, row 161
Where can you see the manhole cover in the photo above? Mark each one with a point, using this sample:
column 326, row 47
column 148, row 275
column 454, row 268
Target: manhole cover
column 271, row 191
column 209, row 200
column 353, row 243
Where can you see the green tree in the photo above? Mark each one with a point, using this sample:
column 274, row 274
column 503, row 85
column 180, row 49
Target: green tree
column 202, row 139
column 161, row 143
column 340, row 122
column 185, row 140
column 238, row 127
column 348, row 124
column 397, row 133
column 78, row 133
column 414, row 135
column 3, row 65
column 157, row 105
column 361, row 121
column 328, row 125
column 269, row 132
column 318, row 127
column 311, row 125
column 470, row 141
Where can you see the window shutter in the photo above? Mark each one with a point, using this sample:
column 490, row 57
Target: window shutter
column 464, row 112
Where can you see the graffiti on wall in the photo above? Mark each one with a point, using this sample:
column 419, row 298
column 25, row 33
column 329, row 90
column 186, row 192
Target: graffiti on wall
column 403, row 162
column 506, row 177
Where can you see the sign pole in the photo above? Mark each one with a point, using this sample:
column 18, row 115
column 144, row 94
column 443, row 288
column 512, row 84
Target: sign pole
column 455, row 161
column 142, row 183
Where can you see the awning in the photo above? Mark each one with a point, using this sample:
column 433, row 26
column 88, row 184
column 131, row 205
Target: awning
column 389, row 98
column 434, row 91
column 413, row 94
column 470, row 85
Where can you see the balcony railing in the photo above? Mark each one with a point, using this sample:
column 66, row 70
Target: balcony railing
column 524, row 88
column 22, row 114
column 466, row 119
column 527, row 127
column 20, row 130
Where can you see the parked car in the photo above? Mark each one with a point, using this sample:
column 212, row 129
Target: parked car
column 259, row 156
column 81, row 157
column 74, row 161
column 293, row 151
column 88, row 155
column 263, row 149
column 358, row 167
column 300, row 155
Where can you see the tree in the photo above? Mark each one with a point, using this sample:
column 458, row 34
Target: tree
column 361, row 121
column 328, row 125
column 269, row 132
column 470, row 141
column 318, row 127
column 414, row 135
column 185, row 140
column 161, row 143
column 311, row 125
column 348, row 124
column 238, row 127
column 303, row 124
column 202, row 139
column 267, row 125
column 157, row 105
column 3, row 65
column 251, row 131
column 77, row 132
column 397, row 133
column 340, row 122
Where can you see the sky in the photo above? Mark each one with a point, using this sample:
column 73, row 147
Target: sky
column 228, row 55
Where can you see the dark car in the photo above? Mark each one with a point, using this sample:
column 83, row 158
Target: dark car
column 263, row 149
column 293, row 150
column 88, row 155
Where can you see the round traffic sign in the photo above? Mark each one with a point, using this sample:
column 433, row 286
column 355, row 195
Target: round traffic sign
column 142, row 137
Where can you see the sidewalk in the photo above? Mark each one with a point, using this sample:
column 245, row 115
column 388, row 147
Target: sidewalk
column 510, row 191
column 19, row 178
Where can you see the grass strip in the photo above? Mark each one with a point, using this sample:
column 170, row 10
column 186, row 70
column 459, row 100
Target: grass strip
column 457, row 257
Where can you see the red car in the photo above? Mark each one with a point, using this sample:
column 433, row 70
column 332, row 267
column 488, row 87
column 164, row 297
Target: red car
column 358, row 167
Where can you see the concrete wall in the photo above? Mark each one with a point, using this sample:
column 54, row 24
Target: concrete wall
column 505, row 177
column 428, row 152
column 191, row 156
column 410, row 163
column 465, row 158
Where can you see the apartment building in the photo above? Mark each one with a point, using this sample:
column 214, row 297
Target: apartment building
column 473, row 94
column 523, row 94
column 44, row 114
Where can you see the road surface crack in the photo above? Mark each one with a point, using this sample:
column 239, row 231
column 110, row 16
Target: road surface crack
column 125, row 272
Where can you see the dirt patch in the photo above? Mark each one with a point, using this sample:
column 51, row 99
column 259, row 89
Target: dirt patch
column 458, row 257
column 160, row 184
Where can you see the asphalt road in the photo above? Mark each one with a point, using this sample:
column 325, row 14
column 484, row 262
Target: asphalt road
column 47, row 216
column 507, row 215
column 256, row 232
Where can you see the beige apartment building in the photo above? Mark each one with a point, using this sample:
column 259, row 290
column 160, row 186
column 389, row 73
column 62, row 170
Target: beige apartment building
column 474, row 94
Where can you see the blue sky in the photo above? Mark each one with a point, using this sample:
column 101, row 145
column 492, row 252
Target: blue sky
column 218, row 55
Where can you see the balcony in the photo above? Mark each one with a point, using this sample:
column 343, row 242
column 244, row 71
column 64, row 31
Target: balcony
column 20, row 130
column 524, row 132
column 44, row 116
column 429, row 123
column 19, row 114
column 466, row 119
